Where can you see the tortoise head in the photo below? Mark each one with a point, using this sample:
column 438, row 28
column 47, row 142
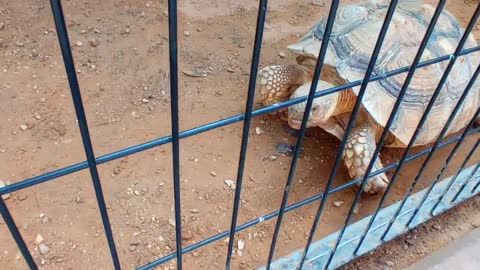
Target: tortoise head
column 322, row 107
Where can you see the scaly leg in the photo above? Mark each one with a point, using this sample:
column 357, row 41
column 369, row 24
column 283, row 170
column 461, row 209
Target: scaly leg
column 277, row 82
column 358, row 153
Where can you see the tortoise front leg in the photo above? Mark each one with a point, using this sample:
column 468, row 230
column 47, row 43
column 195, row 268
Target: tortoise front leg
column 358, row 153
column 277, row 82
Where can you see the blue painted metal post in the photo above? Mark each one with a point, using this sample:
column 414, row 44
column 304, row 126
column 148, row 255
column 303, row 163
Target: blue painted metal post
column 12, row 227
column 405, row 85
column 82, row 123
column 306, row 114
column 454, row 178
column 455, row 149
column 173, row 57
column 262, row 10
column 363, row 88
column 425, row 116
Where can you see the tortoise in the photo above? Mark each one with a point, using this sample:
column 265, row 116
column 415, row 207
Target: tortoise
column 353, row 36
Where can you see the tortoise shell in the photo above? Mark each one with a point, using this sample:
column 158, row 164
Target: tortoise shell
column 351, row 44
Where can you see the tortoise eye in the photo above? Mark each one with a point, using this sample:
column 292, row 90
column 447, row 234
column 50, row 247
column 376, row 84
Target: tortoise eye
column 314, row 108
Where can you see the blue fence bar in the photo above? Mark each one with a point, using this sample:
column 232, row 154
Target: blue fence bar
column 306, row 114
column 351, row 121
column 425, row 196
column 173, row 58
column 209, row 126
column 12, row 227
column 464, row 38
column 464, row 185
column 454, row 178
column 262, row 10
column 82, row 123
column 457, row 145
column 392, row 116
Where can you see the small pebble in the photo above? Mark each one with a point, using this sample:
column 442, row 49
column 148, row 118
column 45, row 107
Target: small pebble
column 272, row 158
column 258, row 130
column 213, row 173
column 284, row 148
column 38, row 239
column 230, row 183
column 389, row 263
column 194, row 211
column 37, row 115
column 4, row 196
column 94, row 42
column 229, row 69
column 172, row 221
column 338, row 203
column 132, row 247
column 23, row 127
column 241, row 244
column 79, row 44
column 187, row 235
column 282, row 54
column 43, row 249
column 116, row 170
column 437, row 227
column 21, row 197
column 34, row 53
column 186, row 33
column 320, row 3
column 126, row 31
column 44, row 219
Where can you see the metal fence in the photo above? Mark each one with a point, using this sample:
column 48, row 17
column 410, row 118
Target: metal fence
column 351, row 240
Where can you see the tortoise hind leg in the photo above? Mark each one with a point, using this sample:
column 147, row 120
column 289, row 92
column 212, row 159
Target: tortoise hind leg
column 358, row 153
column 277, row 82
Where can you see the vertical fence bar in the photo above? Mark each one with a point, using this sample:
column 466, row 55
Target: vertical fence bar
column 262, row 9
column 82, row 123
column 306, row 114
column 363, row 88
column 425, row 115
column 452, row 153
column 456, row 147
column 405, row 85
column 173, row 58
column 12, row 227
column 455, row 178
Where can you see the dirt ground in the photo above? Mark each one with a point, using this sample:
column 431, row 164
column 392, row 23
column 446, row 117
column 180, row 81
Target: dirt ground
column 121, row 54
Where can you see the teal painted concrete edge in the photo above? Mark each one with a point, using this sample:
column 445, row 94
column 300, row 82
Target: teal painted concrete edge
column 320, row 250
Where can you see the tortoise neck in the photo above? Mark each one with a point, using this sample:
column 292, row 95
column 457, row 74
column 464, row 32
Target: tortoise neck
column 345, row 102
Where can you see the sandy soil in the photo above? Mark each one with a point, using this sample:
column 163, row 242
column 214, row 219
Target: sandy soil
column 121, row 54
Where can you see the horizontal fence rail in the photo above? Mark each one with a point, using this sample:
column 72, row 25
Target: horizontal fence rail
column 209, row 126
column 445, row 193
